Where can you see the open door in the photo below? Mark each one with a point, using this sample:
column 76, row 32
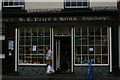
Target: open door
column 62, row 46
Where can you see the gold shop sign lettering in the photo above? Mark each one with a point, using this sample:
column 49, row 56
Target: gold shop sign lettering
column 57, row 19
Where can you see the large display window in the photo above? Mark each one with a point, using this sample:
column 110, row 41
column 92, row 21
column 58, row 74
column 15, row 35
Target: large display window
column 32, row 43
column 91, row 43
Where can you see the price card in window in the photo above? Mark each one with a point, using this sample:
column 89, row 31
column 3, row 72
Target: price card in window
column 34, row 48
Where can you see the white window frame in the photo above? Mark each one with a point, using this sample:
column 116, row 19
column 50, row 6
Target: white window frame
column 19, row 5
column 30, row 64
column 76, row 4
column 109, row 52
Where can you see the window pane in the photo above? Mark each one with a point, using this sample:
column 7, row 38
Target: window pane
column 47, row 41
column 28, row 40
column 22, row 31
column 77, row 31
column 10, row 3
column 6, row 3
column 84, row 41
column 91, row 40
column 79, row 3
column 104, row 31
column 84, row 31
column 91, row 57
column 28, row 32
column 97, row 31
column 104, row 59
column 41, row 41
column 91, row 31
column 104, row 49
column 104, row 40
column 34, row 40
column 16, row 3
column 22, row 41
column 98, row 60
column 77, row 41
column 97, row 40
column 84, row 49
column 21, row 59
column 28, row 49
column 67, row 3
column 21, row 50
column 73, row 3
column 84, row 3
column 84, row 59
column 78, row 60
column 34, row 32
column 97, row 49
column 91, row 49
column 78, row 49
column 47, row 31
column 62, row 31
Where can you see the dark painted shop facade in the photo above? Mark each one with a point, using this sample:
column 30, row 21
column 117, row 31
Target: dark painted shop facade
column 75, row 37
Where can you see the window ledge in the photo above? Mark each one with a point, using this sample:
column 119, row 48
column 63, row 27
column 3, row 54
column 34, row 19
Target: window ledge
column 92, row 65
column 32, row 64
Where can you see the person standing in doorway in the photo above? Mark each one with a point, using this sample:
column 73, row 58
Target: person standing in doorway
column 49, row 61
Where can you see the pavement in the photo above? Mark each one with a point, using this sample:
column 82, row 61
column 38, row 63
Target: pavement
column 58, row 77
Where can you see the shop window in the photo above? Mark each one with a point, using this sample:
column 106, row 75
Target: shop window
column 91, row 43
column 76, row 4
column 32, row 42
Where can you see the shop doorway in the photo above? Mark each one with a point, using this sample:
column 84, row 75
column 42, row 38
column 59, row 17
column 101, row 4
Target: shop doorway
column 62, row 46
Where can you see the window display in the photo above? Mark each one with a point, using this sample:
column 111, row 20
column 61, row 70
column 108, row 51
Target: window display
column 32, row 42
column 91, row 43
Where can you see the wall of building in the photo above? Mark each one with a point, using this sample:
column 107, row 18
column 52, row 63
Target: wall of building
column 119, row 46
column 0, row 5
column 59, row 4
column 78, row 71
column 103, row 4
column 43, row 4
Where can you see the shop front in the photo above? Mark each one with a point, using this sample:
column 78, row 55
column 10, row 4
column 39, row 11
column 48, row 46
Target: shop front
column 74, row 40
